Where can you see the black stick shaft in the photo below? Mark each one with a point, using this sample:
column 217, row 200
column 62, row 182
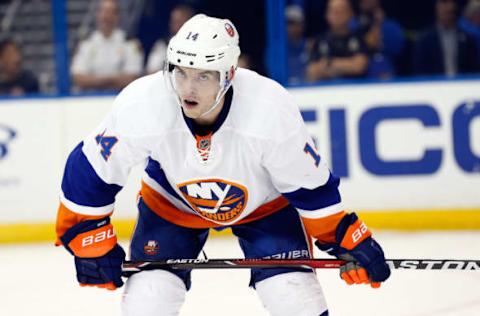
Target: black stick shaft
column 131, row 267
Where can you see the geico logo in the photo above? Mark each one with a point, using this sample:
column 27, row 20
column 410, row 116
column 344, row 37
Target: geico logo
column 429, row 157
column 98, row 237
column 358, row 233
column 7, row 134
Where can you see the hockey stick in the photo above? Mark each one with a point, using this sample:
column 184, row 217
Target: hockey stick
column 131, row 267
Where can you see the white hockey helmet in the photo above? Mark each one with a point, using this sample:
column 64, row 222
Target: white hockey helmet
column 206, row 43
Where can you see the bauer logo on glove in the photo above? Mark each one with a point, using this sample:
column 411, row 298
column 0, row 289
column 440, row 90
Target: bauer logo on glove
column 98, row 257
column 89, row 239
column 354, row 243
column 98, row 237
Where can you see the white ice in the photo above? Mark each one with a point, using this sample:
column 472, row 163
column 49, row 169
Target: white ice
column 40, row 280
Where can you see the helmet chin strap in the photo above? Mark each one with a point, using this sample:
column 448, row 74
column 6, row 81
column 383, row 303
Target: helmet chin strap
column 219, row 97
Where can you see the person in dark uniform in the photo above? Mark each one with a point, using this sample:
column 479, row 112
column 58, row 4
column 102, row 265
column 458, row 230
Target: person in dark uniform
column 445, row 49
column 339, row 53
column 14, row 80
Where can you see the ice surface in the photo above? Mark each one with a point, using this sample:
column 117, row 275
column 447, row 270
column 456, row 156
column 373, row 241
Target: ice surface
column 40, row 280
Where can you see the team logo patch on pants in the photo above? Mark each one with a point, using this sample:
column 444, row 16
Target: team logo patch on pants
column 217, row 200
column 151, row 247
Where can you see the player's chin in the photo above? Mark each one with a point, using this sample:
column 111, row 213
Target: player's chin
column 191, row 112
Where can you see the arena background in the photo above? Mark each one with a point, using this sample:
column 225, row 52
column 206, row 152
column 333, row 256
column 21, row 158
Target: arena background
column 407, row 148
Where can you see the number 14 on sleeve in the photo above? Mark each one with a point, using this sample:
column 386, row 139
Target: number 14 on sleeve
column 309, row 150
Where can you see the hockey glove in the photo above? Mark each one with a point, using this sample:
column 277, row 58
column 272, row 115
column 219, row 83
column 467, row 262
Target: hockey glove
column 366, row 261
column 98, row 257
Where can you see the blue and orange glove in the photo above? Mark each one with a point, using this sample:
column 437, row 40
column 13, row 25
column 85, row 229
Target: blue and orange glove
column 354, row 243
column 98, row 257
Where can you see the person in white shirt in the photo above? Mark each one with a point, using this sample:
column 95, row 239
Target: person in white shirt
column 223, row 147
column 178, row 16
column 107, row 60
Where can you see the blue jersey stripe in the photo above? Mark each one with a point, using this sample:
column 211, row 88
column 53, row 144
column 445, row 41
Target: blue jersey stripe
column 317, row 198
column 81, row 184
column 155, row 171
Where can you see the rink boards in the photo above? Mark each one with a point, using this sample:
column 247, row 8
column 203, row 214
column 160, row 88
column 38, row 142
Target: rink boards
column 408, row 154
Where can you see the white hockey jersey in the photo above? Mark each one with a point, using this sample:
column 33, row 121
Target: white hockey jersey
column 260, row 157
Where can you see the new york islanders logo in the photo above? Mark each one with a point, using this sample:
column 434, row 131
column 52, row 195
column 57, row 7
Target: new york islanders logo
column 217, row 200
column 151, row 247
column 230, row 30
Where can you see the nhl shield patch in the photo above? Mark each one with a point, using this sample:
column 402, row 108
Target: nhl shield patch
column 217, row 200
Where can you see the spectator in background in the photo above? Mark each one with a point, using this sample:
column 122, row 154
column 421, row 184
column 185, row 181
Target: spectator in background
column 298, row 47
column 383, row 38
column 179, row 15
column 445, row 49
column 107, row 60
column 14, row 80
column 470, row 22
column 339, row 53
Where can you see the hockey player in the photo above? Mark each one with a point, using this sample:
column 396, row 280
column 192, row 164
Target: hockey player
column 223, row 147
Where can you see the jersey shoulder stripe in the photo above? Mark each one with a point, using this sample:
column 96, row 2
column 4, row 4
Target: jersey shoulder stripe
column 81, row 184
column 318, row 198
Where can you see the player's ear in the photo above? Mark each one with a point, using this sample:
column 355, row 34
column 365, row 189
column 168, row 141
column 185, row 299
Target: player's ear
column 231, row 73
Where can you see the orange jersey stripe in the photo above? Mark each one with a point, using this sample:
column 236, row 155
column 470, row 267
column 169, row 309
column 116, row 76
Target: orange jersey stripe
column 323, row 229
column 166, row 210
column 67, row 218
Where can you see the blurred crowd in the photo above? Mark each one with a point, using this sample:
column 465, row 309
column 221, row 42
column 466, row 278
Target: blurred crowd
column 365, row 43
column 359, row 40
